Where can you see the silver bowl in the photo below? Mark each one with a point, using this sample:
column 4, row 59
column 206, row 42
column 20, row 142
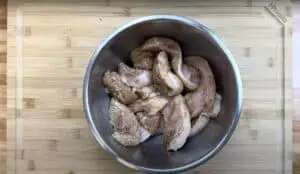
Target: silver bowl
column 195, row 39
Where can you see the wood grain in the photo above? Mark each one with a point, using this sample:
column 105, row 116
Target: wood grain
column 296, row 130
column 296, row 86
column 3, row 83
column 50, row 43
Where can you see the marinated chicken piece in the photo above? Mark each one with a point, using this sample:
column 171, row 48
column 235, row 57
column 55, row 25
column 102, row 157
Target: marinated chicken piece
column 150, row 106
column 150, row 122
column 129, row 140
column 203, row 98
column 216, row 108
column 195, row 102
column 118, row 89
column 142, row 59
column 191, row 73
column 157, row 44
column 177, row 123
column 134, row 77
column 198, row 123
column 167, row 82
column 127, row 130
column 146, row 92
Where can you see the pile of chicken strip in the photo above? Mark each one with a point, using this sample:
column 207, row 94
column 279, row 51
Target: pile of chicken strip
column 161, row 94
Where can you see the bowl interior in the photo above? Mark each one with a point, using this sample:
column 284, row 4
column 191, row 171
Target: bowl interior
column 194, row 40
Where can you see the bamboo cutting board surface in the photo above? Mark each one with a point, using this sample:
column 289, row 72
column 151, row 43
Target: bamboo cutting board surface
column 49, row 44
column 3, row 87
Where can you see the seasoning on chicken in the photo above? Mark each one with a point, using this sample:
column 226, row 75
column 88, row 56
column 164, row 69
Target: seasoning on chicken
column 216, row 108
column 191, row 73
column 150, row 106
column 118, row 89
column 146, row 92
column 203, row 98
column 134, row 77
column 177, row 123
column 199, row 122
column 167, row 82
column 157, row 44
column 127, row 130
column 142, row 59
column 150, row 122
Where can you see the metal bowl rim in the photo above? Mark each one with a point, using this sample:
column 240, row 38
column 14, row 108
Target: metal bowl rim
column 191, row 23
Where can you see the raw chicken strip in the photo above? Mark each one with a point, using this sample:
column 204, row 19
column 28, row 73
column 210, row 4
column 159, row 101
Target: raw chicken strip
column 177, row 123
column 203, row 98
column 157, row 44
column 127, row 130
column 134, row 77
column 150, row 106
column 142, row 59
column 191, row 73
column 168, row 83
column 146, row 92
column 199, row 122
column 118, row 89
column 216, row 108
column 150, row 122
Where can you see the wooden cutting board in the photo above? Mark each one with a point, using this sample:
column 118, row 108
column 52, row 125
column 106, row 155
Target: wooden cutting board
column 49, row 44
column 2, row 87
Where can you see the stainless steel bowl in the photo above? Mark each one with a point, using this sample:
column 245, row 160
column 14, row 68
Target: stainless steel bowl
column 195, row 39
